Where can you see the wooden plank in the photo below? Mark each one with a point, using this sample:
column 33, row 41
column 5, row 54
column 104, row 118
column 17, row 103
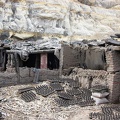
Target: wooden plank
column 32, row 51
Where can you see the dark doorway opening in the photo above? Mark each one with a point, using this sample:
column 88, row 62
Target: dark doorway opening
column 53, row 61
column 33, row 61
column 3, row 60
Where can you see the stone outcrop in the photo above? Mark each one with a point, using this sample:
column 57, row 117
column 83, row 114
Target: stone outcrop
column 66, row 19
column 101, row 3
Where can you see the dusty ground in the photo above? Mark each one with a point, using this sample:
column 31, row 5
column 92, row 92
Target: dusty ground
column 14, row 108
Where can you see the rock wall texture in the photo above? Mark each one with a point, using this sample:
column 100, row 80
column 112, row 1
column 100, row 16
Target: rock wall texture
column 71, row 19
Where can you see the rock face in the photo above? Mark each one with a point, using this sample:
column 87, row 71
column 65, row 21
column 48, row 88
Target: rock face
column 101, row 3
column 72, row 19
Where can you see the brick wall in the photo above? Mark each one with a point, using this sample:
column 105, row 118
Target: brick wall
column 11, row 78
column 113, row 78
column 89, row 78
column 113, row 61
column 110, row 77
column 26, row 75
column 48, row 74
column 8, row 79
column 114, row 87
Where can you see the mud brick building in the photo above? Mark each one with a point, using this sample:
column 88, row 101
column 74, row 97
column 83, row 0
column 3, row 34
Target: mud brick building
column 22, row 61
column 98, row 65
column 90, row 62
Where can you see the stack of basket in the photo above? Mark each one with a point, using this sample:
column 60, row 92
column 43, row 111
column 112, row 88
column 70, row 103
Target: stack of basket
column 100, row 94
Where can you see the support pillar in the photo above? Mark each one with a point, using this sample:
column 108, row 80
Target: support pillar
column 12, row 61
column 9, row 60
column 43, row 64
column 113, row 78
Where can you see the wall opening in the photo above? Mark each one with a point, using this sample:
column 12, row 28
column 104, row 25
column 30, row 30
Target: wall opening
column 3, row 60
column 33, row 61
column 53, row 61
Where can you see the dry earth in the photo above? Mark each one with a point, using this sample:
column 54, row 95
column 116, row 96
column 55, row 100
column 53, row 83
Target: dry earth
column 14, row 108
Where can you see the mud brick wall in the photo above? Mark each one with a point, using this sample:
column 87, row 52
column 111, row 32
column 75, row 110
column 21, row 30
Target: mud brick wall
column 113, row 61
column 94, row 58
column 114, row 87
column 48, row 74
column 88, row 78
column 69, row 57
column 113, row 78
column 26, row 75
column 8, row 79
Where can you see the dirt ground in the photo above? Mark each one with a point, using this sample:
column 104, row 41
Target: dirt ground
column 43, row 108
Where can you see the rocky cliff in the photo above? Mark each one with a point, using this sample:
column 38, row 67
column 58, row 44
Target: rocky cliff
column 65, row 19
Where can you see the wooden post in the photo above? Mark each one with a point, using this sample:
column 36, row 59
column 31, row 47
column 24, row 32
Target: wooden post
column 43, row 64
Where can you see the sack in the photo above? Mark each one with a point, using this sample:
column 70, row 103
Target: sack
column 99, row 100
column 100, row 95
